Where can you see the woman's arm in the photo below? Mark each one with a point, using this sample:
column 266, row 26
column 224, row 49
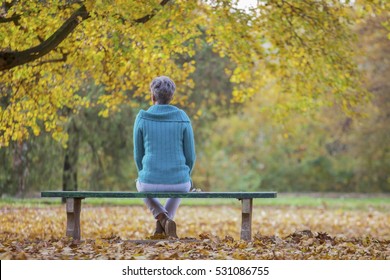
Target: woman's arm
column 138, row 142
column 189, row 146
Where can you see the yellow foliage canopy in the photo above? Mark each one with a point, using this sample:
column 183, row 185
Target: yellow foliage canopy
column 52, row 52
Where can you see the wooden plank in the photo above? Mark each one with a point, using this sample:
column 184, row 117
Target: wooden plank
column 73, row 210
column 246, row 224
column 84, row 194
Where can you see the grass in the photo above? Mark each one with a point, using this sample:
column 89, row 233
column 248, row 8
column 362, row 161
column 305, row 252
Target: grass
column 344, row 202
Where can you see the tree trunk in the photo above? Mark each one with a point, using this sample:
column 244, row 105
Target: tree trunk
column 20, row 165
column 69, row 176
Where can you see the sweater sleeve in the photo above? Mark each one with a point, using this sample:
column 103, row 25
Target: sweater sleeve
column 189, row 146
column 138, row 142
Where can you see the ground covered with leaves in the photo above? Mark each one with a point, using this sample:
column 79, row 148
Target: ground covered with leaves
column 206, row 232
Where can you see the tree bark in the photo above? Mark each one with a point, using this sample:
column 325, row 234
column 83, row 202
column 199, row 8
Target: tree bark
column 20, row 165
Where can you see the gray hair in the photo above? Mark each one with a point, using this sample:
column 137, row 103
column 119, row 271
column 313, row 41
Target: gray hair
column 162, row 89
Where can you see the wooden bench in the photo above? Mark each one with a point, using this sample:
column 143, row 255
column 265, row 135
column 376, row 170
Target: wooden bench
column 73, row 204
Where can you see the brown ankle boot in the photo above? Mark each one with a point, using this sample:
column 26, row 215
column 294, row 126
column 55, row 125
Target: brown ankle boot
column 159, row 229
column 169, row 226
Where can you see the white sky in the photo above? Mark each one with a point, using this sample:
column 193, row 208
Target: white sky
column 245, row 4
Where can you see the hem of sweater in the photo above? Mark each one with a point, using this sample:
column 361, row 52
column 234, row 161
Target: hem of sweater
column 163, row 182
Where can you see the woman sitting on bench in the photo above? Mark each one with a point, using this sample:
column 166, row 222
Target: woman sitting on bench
column 164, row 152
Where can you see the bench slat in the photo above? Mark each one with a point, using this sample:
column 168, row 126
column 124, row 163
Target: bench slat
column 109, row 194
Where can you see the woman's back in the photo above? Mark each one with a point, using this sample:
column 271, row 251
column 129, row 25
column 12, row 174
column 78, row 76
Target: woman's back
column 163, row 145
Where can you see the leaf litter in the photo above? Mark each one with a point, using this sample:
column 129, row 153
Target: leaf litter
column 205, row 233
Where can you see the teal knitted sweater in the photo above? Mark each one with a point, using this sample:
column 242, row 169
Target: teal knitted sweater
column 164, row 147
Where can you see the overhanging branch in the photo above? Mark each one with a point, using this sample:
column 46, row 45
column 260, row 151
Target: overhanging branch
column 11, row 59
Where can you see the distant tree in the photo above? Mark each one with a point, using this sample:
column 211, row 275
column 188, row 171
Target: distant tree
column 98, row 156
column 324, row 150
column 371, row 145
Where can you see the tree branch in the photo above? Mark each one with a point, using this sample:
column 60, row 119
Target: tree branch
column 14, row 18
column 150, row 16
column 8, row 5
column 62, row 59
column 11, row 59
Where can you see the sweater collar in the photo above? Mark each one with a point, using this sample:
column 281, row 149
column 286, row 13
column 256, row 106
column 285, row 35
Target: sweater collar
column 164, row 113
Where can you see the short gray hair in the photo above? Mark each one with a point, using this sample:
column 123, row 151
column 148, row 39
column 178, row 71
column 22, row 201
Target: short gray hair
column 162, row 89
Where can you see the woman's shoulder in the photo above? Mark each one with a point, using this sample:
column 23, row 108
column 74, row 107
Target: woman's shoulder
column 184, row 116
column 138, row 117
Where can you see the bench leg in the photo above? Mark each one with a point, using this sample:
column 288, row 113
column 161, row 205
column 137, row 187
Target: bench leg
column 246, row 225
column 73, row 209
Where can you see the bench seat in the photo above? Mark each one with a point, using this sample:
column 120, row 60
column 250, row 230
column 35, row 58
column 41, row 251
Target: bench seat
column 73, row 204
